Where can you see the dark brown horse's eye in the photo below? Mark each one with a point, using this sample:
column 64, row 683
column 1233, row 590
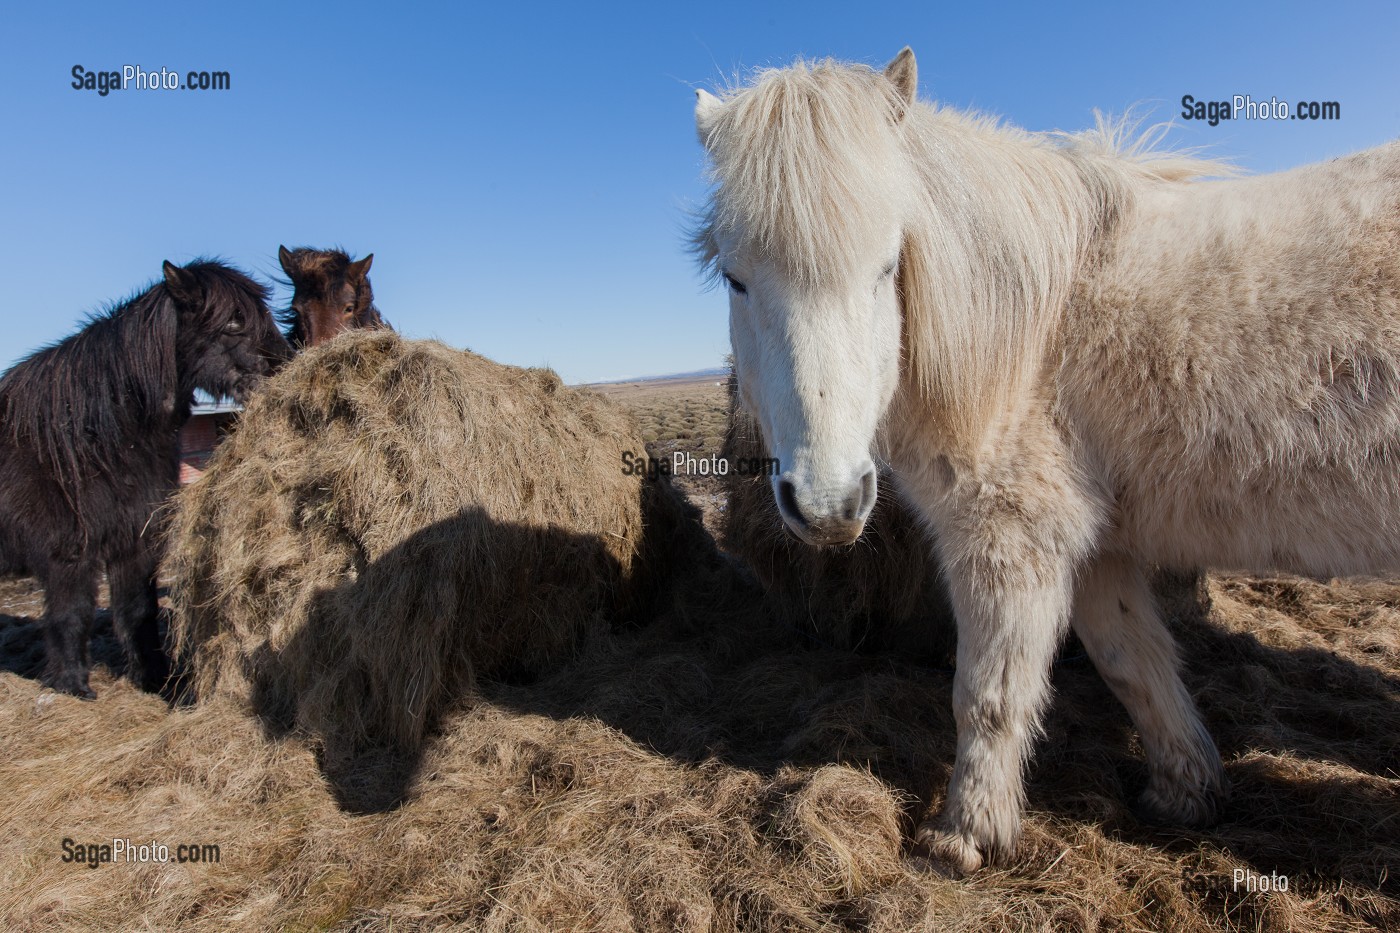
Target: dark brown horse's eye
column 349, row 309
column 234, row 326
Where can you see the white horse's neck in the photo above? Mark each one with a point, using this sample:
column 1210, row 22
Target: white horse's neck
column 1004, row 222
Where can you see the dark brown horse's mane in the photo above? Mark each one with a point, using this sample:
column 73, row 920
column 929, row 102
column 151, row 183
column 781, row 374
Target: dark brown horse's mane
column 74, row 402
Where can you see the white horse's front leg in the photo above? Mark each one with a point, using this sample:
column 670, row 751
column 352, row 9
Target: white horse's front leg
column 1008, row 630
column 1010, row 544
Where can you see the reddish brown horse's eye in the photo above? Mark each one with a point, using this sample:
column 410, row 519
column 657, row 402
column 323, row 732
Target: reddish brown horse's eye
column 349, row 310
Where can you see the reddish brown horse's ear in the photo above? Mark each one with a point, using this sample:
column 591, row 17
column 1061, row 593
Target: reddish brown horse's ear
column 181, row 283
column 358, row 270
column 903, row 73
column 284, row 256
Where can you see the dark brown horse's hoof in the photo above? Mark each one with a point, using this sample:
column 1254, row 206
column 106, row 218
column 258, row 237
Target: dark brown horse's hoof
column 150, row 673
column 71, row 684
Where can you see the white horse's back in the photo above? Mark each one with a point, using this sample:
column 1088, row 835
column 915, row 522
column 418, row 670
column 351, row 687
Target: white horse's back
column 1234, row 366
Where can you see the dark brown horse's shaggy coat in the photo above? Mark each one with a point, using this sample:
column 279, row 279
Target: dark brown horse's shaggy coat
column 89, row 449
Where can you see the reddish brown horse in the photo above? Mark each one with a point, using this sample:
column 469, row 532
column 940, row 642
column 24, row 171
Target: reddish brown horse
column 331, row 293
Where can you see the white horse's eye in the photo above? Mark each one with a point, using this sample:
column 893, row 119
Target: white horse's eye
column 739, row 288
column 889, row 270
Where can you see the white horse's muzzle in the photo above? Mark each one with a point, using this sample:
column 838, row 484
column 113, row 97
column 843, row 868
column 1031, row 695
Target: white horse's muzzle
column 827, row 514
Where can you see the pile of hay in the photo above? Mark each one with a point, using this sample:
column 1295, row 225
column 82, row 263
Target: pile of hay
column 883, row 593
column 393, row 519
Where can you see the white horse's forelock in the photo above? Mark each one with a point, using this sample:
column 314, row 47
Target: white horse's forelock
column 808, row 162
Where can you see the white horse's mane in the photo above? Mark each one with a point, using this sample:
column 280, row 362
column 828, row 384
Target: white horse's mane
column 817, row 157
column 1123, row 138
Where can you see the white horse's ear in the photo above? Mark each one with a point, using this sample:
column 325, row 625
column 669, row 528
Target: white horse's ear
column 707, row 107
column 903, row 73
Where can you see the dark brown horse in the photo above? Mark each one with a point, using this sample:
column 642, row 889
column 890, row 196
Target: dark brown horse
column 331, row 293
column 89, row 451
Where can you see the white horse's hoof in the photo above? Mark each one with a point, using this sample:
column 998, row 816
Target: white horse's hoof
column 950, row 854
column 1189, row 799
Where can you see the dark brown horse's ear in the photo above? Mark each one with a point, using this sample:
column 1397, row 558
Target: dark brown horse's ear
column 360, row 269
column 180, row 282
column 284, row 256
column 903, row 73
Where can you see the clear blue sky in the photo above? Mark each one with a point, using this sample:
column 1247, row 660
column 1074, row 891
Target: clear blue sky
column 521, row 171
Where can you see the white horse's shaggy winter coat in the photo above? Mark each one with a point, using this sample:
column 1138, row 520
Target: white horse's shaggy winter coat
column 1078, row 360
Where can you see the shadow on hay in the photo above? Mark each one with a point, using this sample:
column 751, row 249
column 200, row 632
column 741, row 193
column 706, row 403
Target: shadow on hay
column 716, row 677
column 719, row 682
column 1309, row 799
column 22, row 650
column 884, row 593
column 22, row 644
column 1302, row 700
column 1312, row 739
column 372, row 758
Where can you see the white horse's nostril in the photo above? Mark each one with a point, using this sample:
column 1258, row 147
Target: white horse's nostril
column 862, row 499
column 787, row 503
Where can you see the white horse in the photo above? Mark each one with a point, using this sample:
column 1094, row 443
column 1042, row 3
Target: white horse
column 1078, row 359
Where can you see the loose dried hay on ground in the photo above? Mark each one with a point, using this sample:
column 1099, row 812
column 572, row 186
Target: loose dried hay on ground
column 701, row 774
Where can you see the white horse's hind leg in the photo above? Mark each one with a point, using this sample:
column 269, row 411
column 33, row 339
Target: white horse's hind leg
column 1116, row 617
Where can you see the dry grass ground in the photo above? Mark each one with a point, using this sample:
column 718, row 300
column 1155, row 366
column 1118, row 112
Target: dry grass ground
column 685, row 415
column 714, row 771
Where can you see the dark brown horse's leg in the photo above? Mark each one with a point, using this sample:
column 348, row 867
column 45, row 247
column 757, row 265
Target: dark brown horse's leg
column 70, row 599
column 135, row 617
